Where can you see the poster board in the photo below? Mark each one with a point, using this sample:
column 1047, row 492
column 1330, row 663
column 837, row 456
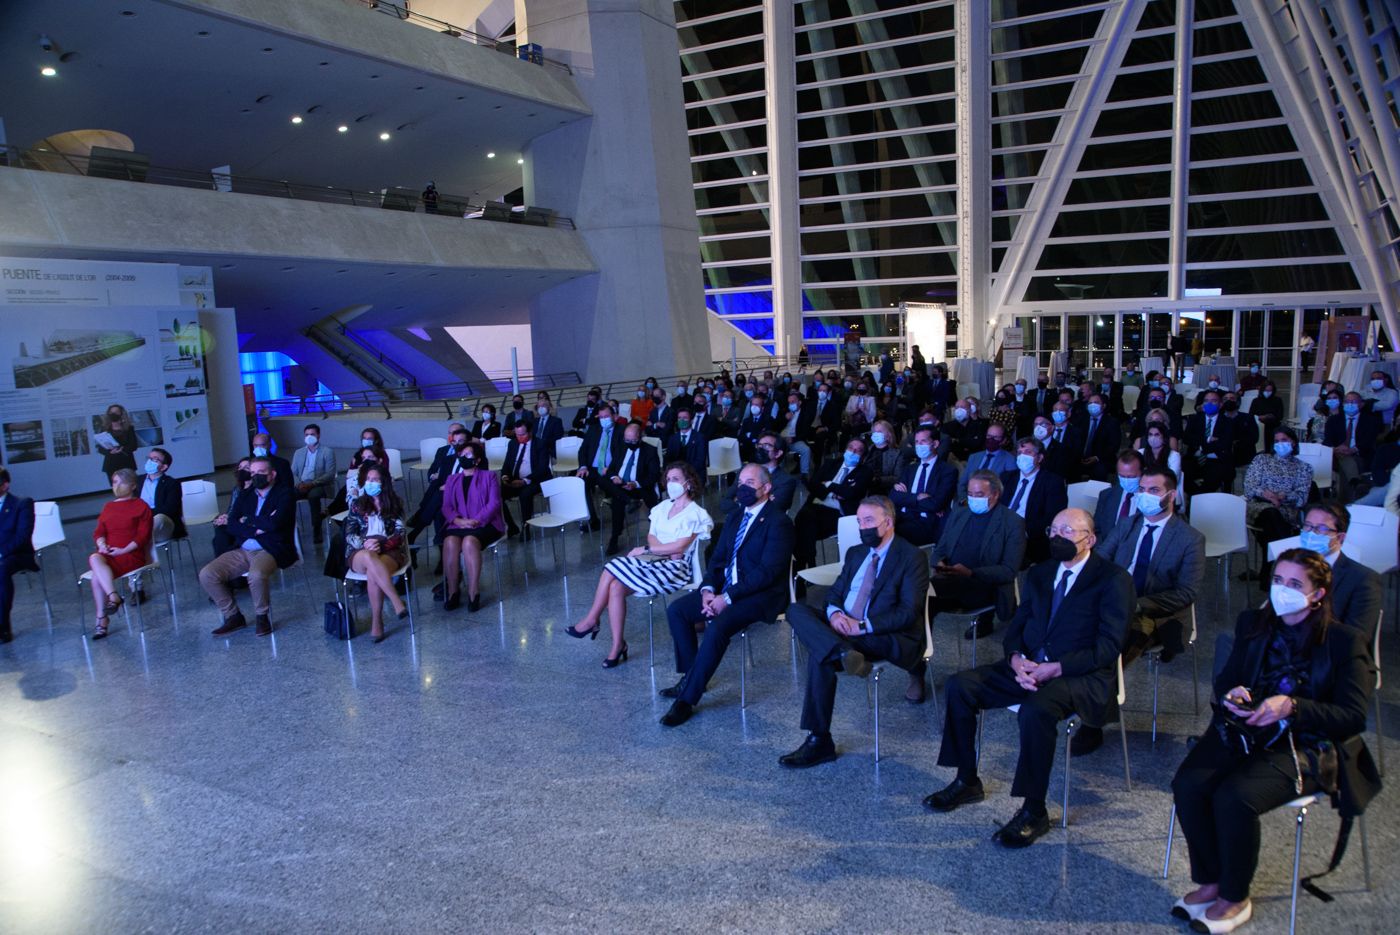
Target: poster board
column 926, row 324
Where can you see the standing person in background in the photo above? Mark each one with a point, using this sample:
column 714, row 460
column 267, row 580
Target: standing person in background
column 117, row 424
column 313, row 473
column 430, row 198
column 16, row 547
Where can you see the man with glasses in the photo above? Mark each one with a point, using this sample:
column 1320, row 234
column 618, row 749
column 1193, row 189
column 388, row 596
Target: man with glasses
column 1061, row 657
column 1356, row 589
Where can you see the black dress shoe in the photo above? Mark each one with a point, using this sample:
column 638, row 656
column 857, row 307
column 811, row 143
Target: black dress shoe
column 1022, row 829
column 674, row 691
column 853, row 663
column 6, row 636
column 678, row 714
column 954, row 794
column 1086, row 740
column 264, row 625
column 814, row 750
column 1172, row 636
column 613, row 548
column 453, row 602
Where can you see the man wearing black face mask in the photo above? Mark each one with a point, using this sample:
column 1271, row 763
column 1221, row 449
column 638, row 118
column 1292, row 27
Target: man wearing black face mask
column 518, row 415
column 1062, row 648
column 262, row 524
column 242, row 486
column 584, row 417
column 874, row 611
column 445, row 464
column 630, row 478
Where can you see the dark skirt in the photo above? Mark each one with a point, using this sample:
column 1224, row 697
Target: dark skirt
column 482, row 534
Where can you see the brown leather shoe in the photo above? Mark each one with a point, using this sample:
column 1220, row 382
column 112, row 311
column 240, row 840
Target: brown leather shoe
column 264, row 627
column 236, row 622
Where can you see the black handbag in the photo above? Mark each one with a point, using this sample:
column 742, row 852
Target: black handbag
column 337, row 621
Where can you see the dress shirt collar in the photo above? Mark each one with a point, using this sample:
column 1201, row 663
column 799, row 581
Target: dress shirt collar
column 1074, row 571
column 1330, row 557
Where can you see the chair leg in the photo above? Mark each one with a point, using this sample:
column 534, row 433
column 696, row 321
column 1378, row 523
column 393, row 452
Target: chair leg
column 1297, row 867
column 651, row 636
column 743, row 670
column 1171, row 831
column 1123, row 734
column 1071, row 728
column 977, row 761
column 1365, row 851
column 1195, row 678
column 48, row 608
column 500, row 595
column 1154, row 662
column 876, row 677
column 1380, row 735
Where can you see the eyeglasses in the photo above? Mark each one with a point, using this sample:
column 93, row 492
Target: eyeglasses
column 1318, row 530
column 1064, row 532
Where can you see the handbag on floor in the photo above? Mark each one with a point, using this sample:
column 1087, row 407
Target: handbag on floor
column 337, row 622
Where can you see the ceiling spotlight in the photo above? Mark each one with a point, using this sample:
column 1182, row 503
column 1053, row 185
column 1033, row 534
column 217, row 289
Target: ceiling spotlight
column 342, row 129
column 48, row 71
column 490, row 155
column 384, row 136
column 296, row 118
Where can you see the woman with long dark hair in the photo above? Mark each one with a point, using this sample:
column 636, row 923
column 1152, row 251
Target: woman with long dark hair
column 375, row 543
column 472, row 520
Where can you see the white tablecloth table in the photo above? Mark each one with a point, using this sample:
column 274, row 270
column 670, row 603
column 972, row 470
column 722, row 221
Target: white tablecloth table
column 1354, row 373
column 979, row 372
column 1027, row 369
column 1149, row 364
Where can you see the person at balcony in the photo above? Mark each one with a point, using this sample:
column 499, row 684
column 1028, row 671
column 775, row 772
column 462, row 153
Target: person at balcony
column 1351, row 434
column 117, row 423
column 375, row 543
column 430, row 198
column 642, row 404
column 446, row 462
column 472, row 519
column 123, row 539
column 525, row 467
column 1294, row 684
column 1276, row 486
column 262, row 448
column 836, row 489
column 1267, row 408
column 663, row 415
column 261, row 524
column 885, row 457
column 1384, row 399
column 518, row 414
column 584, row 417
column 548, row 427
column 313, row 474
column 601, row 450
column 668, row 562
column 486, row 427
column 1252, row 379
column 16, row 547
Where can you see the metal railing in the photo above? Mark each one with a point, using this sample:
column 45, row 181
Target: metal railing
column 457, row 32
column 385, row 361
column 131, row 167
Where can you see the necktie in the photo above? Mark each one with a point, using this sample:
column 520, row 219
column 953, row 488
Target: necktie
column 986, row 460
column 921, row 479
column 866, row 584
column 1351, row 433
column 1059, row 436
column 685, row 439
column 1144, row 557
column 1089, row 441
column 1061, row 587
column 1123, row 508
column 1020, row 492
column 600, row 461
column 629, row 466
column 733, row 573
column 519, row 460
column 1210, row 428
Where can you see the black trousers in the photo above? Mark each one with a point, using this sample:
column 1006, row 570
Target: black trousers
column 526, row 496
column 313, row 496
column 1274, row 525
column 429, row 512
column 696, row 658
column 994, row 686
column 618, row 498
column 824, row 650
column 594, row 483
column 813, row 522
column 1211, row 475
column 8, row 568
column 1219, row 797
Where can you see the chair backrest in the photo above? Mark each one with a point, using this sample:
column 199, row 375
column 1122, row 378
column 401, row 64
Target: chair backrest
column 428, row 448
column 1372, row 538
column 1305, row 399
column 1248, row 399
column 566, row 453
column 653, row 441
column 625, row 410
column 1220, row 517
column 48, row 525
column 567, row 497
column 496, row 452
column 724, row 455
column 847, row 535
column 1320, row 458
column 970, row 389
column 1188, row 396
column 1084, row 495
column 1130, row 397
column 1279, row 546
column 200, row 500
column 694, row 555
column 395, row 463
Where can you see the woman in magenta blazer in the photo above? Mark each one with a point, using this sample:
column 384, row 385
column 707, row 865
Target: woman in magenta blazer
column 471, row 510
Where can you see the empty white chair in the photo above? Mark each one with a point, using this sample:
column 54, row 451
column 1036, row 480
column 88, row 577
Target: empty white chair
column 625, row 410
column 199, row 501
column 566, row 454
column 1371, row 540
column 654, row 442
column 1084, row 495
column 1130, row 398
column 1247, row 399
column 1320, row 457
column 1220, row 517
column 1305, row 400
column 496, row 452
column 48, row 533
column 395, row 463
column 427, row 451
column 847, row 535
column 568, row 503
column 724, row 457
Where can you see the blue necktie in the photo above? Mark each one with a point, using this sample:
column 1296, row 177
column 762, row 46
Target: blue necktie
column 1020, row 492
column 731, row 574
column 1144, row 557
column 1060, row 588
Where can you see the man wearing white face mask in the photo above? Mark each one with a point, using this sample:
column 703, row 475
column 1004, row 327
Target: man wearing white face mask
column 313, row 474
column 162, row 495
column 924, row 491
column 977, row 557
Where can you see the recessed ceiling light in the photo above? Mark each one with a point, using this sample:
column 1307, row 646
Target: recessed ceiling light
column 490, row 155
column 342, row 129
column 128, row 12
column 324, row 64
column 384, row 136
column 296, row 118
column 48, row 71
column 267, row 49
column 288, row 269
column 373, row 77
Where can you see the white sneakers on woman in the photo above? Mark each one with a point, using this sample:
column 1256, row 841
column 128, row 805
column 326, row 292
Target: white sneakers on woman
column 1202, row 923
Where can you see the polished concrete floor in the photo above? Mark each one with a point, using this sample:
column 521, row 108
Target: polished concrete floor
column 486, row 774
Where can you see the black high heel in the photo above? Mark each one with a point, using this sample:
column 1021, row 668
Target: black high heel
column 612, row 662
column 580, row 634
column 474, row 603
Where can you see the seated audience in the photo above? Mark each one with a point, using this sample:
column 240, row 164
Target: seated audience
column 686, row 444
column 1116, row 501
column 874, row 612
column 261, row 523
column 1276, row 486
column 1356, row 590
column 836, row 490
column 588, row 412
column 16, row 547
column 1050, row 671
column 262, row 448
column 123, row 537
column 548, row 428
column 518, row 415
column 446, row 462
column 924, row 490
column 1381, row 394
column 632, row 479
column 993, row 457
column 471, row 521
column 242, row 484
column 486, row 427
column 601, row 450
column 1252, row 379
column 1351, row 434
column 746, row 581
column 1294, row 682
column 313, row 475
column 978, row 556
column 526, row 466
column 1210, row 446
column 1267, row 409
column 666, row 564
column 375, row 543
column 1102, row 437
column 885, row 459
column 1036, row 496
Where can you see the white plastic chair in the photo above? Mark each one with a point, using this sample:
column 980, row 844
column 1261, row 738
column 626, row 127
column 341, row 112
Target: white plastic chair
column 395, row 463
column 566, row 454
column 1153, row 655
column 1247, row 399
column 697, row 575
column 1084, row 495
column 405, row 572
column 132, row 580
column 568, row 503
column 847, row 535
column 1130, row 398
column 1372, row 538
column 654, row 442
column 1320, row 458
column 199, row 501
column 1220, row 517
column 427, row 451
column 625, row 410
column 48, row 532
column 724, row 457
column 496, row 452
column 1306, row 399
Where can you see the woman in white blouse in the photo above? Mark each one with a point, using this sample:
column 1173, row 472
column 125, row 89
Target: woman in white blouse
column 667, row 563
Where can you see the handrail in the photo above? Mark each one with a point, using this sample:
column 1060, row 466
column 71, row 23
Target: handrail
column 136, row 170
column 378, row 354
column 456, row 32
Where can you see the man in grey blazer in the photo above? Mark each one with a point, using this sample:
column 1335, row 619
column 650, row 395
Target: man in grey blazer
column 1356, row 589
column 313, row 475
column 976, row 560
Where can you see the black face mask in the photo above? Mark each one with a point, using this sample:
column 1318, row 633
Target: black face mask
column 1155, row 404
column 1231, row 406
column 260, row 481
column 467, row 462
column 1062, row 549
column 517, row 406
column 870, row 536
column 242, row 476
column 633, row 446
column 745, row 495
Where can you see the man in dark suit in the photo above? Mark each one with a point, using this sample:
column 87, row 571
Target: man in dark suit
column 16, row 547
column 836, row 489
column 600, row 451
column 1356, row 589
column 924, row 491
column 1101, row 436
column 662, row 417
column 444, row 465
column 548, row 428
column 753, row 426
column 1210, row 447
column 820, row 423
column 163, row 495
column 1061, row 654
column 682, row 399
column 1351, row 434
column 874, row 611
column 746, row 580
column 941, row 392
column 1112, row 392
column 1116, row 502
column 525, row 467
column 1064, row 447
column 979, row 555
column 686, row 444
column 631, row 478
column 518, row 415
column 281, row 467
column 701, row 421
column 1036, row 495
column 727, row 414
column 586, row 415
column 263, row 525
column 1245, row 430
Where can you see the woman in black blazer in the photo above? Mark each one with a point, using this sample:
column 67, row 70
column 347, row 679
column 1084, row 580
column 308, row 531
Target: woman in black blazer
column 1267, row 409
column 487, row 426
column 1295, row 682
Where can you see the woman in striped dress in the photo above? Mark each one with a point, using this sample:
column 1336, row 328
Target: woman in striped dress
column 665, row 565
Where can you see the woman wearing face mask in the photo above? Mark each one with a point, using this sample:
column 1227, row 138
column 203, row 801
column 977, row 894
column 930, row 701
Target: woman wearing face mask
column 486, row 427
column 1276, row 487
column 375, row 543
column 642, row 405
column 472, row 520
column 860, row 410
column 885, row 458
column 1267, row 409
column 1295, row 682
column 371, row 450
column 123, row 538
column 1158, row 450
column 117, row 423
column 669, row 562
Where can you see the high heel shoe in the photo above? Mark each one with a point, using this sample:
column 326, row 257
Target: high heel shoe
column 580, row 634
column 612, row 662
column 99, row 629
column 474, row 603
column 114, row 603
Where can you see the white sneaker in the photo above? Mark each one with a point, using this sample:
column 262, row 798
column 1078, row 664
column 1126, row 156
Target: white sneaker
column 1202, row 923
column 1185, row 911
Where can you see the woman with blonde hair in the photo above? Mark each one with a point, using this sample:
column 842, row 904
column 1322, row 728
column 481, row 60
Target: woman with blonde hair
column 123, row 538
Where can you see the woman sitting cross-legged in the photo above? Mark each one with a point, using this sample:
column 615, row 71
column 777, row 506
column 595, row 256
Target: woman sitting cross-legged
column 123, row 537
column 1296, row 682
column 666, row 565
column 375, row 544
column 472, row 520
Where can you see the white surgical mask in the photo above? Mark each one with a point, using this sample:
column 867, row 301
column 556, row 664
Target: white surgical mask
column 543, row 411
column 877, row 438
column 311, row 440
column 1148, row 504
column 960, row 414
column 1041, row 432
column 674, row 490
column 1025, row 463
column 1286, row 600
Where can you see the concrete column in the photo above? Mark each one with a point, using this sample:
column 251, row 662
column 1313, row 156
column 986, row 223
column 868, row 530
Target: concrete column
column 1181, row 151
column 972, row 28
column 624, row 176
column 780, row 80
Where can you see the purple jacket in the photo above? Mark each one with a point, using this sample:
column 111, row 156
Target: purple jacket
column 481, row 501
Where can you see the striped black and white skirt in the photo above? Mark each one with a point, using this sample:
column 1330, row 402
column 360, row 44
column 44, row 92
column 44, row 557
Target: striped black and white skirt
column 663, row 576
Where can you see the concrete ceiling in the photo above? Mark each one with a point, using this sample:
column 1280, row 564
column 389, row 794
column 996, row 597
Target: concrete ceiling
column 197, row 91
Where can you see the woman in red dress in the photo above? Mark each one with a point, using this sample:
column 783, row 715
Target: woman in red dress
column 123, row 537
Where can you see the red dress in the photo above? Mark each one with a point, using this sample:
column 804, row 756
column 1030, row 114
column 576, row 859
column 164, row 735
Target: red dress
column 121, row 523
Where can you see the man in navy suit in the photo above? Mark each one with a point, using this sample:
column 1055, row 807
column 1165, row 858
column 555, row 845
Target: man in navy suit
column 600, row 451
column 526, row 466
column 874, row 610
column 746, row 581
column 1062, row 650
column 1116, row 501
column 924, row 491
column 632, row 477
column 1351, row 434
column 684, row 443
column 262, row 525
column 16, row 547
column 1035, row 495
